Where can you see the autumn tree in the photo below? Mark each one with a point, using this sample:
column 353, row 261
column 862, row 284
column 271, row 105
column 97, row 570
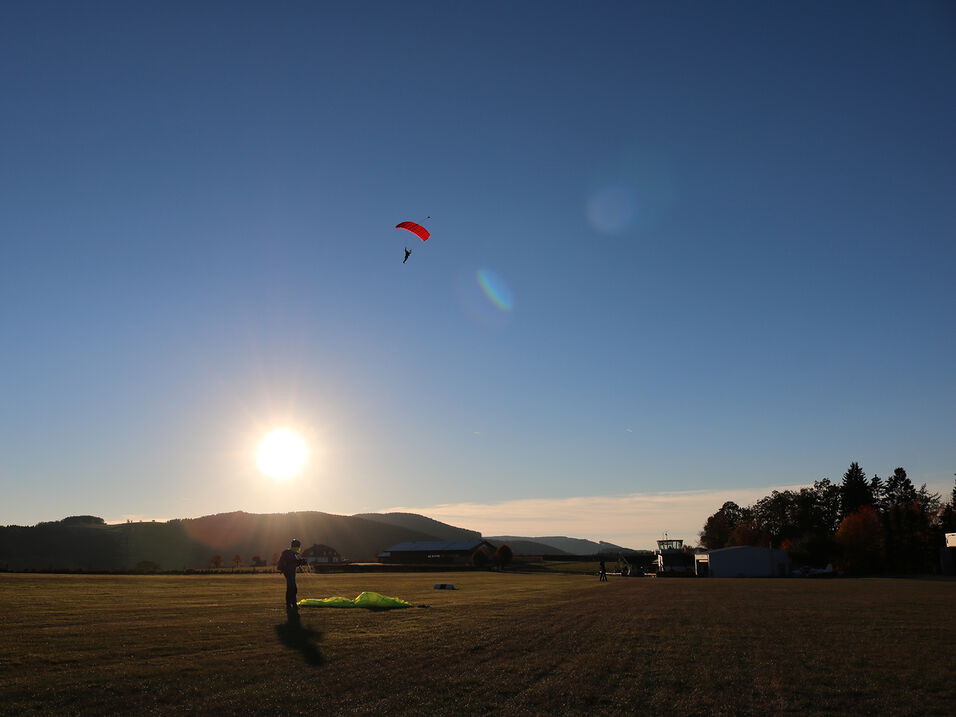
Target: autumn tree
column 807, row 521
column 860, row 537
column 216, row 561
column 480, row 558
column 748, row 532
column 826, row 506
column 717, row 531
column 237, row 560
column 503, row 556
column 779, row 515
column 720, row 526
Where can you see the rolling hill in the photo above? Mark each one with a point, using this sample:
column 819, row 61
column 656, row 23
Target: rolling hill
column 423, row 524
column 561, row 544
column 87, row 543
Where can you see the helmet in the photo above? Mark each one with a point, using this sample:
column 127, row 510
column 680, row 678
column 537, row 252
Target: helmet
column 296, row 543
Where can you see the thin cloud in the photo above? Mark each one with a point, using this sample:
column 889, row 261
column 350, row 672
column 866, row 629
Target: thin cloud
column 634, row 520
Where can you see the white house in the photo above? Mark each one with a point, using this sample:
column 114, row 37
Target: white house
column 747, row 561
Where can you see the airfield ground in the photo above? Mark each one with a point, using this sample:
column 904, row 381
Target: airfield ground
column 503, row 643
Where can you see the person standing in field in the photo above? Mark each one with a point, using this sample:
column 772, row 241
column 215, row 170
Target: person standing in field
column 289, row 561
column 603, row 577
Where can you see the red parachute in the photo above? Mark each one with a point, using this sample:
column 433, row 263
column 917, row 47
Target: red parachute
column 416, row 229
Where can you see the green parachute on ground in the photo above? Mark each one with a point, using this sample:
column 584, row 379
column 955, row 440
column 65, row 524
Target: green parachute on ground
column 372, row 601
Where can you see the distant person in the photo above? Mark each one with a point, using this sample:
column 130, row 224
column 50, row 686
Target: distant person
column 603, row 577
column 407, row 254
column 288, row 562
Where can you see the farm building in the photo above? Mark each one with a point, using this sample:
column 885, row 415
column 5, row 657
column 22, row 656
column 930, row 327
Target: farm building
column 743, row 561
column 439, row 552
column 321, row 554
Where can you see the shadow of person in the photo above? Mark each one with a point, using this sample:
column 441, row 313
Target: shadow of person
column 293, row 635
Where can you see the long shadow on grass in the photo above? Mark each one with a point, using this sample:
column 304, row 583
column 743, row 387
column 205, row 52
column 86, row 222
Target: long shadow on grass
column 294, row 636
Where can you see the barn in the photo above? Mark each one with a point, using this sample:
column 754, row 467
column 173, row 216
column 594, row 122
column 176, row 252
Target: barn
column 435, row 552
column 746, row 561
column 321, row 554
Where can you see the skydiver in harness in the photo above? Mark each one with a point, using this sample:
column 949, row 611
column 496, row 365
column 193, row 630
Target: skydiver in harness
column 288, row 562
column 407, row 254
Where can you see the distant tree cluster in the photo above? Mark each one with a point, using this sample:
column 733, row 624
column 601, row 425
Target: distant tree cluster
column 862, row 525
column 501, row 558
column 74, row 520
column 216, row 561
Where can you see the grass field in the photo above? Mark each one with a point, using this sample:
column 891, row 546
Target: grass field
column 502, row 644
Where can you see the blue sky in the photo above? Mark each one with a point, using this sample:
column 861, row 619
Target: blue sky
column 723, row 238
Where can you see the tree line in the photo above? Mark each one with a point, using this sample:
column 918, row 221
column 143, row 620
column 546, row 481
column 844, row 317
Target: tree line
column 481, row 558
column 862, row 525
column 216, row 561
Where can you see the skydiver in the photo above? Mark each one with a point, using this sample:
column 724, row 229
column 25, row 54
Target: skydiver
column 288, row 562
column 407, row 254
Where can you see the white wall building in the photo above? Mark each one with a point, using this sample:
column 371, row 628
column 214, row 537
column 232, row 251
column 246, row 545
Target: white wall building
column 746, row 561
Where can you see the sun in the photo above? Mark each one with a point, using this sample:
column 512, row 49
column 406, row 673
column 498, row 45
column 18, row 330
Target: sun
column 282, row 454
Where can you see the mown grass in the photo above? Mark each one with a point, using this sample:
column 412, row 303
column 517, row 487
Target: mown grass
column 503, row 643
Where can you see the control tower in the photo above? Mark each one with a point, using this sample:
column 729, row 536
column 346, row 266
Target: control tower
column 671, row 558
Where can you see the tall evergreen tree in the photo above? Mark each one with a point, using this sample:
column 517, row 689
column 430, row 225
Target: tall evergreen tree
column 947, row 516
column 878, row 491
column 928, row 501
column 855, row 491
column 899, row 489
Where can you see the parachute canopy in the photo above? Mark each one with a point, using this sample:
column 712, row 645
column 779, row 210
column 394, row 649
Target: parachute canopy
column 372, row 601
column 414, row 228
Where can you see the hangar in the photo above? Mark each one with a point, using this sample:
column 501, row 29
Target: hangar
column 743, row 561
column 454, row 552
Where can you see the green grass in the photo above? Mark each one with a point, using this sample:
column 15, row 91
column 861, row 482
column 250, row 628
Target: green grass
column 504, row 643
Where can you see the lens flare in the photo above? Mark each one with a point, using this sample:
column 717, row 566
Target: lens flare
column 495, row 289
column 612, row 208
column 485, row 297
column 632, row 190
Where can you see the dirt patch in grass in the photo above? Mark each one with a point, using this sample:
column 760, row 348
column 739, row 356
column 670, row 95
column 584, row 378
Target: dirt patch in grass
column 500, row 644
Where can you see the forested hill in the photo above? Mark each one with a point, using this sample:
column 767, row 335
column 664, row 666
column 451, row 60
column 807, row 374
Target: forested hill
column 421, row 523
column 87, row 543
column 563, row 544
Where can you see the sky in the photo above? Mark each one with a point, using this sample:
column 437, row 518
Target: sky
column 680, row 253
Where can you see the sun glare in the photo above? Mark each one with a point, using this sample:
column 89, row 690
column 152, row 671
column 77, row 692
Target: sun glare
column 282, row 454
